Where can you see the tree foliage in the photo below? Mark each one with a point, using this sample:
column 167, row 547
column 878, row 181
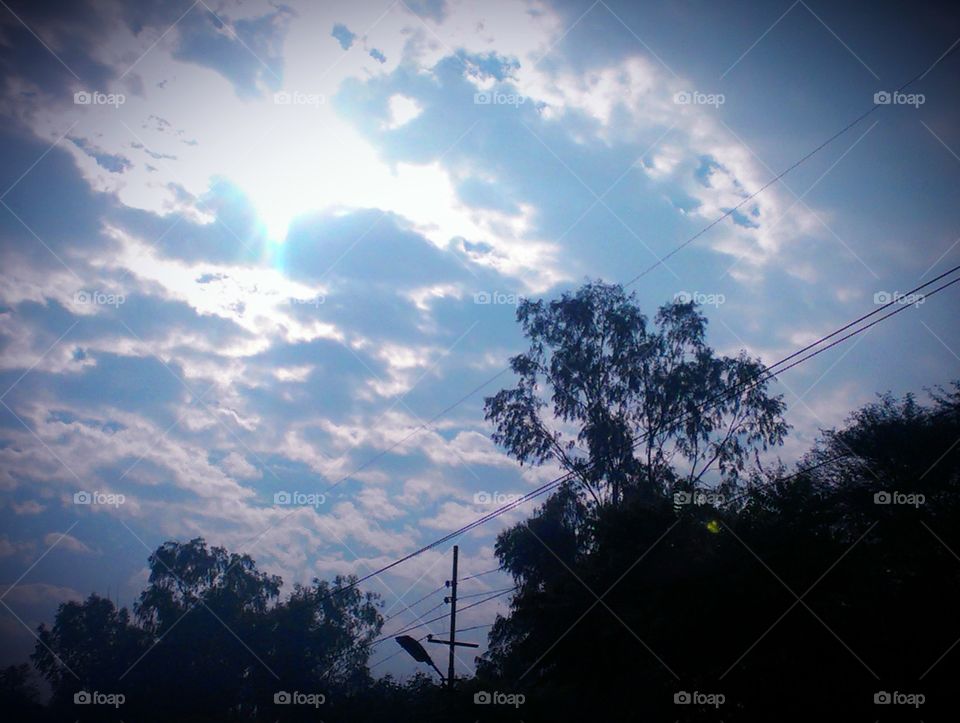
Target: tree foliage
column 210, row 640
column 630, row 407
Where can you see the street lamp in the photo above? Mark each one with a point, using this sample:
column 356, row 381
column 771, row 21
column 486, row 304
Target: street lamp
column 417, row 652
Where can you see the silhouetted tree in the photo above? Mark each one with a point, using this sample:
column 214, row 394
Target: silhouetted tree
column 91, row 647
column 202, row 609
column 212, row 641
column 318, row 640
column 634, row 394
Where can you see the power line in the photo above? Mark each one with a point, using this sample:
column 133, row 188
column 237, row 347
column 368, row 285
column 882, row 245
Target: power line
column 439, row 617
column 480, row 574
column 762, row 376
column 446, row 615
column 779, row 480
column 485, row 592
column 407, row 608
column 435, row 607
column 392, row 655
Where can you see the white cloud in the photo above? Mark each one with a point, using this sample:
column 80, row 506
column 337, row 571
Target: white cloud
column 10, row 548
column 237, row 466
column 65, row 542
column 28, row 507
column 403, row 109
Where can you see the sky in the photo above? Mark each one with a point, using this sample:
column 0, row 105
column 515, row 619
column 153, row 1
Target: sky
column 253, row 248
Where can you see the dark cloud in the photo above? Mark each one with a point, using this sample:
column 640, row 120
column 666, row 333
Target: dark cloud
column 71, row 32
column 234, row 236
column 245, row 51
column 52, row 199
column 366, row 245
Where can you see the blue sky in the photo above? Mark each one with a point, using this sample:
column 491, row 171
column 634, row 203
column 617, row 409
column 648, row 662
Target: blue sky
column 243, row 246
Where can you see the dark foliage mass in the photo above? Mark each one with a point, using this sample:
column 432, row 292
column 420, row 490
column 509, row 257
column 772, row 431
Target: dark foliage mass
column 795, row 600
column 672, row 578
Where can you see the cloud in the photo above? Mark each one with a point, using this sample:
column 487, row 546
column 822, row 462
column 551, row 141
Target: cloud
column 112, row 162
column 343, row 35
column 10, row 548
column 66, row 542
column 38, row 594
column 236, row 465
column 28, row 507
column 246, row 49
column 376, row 502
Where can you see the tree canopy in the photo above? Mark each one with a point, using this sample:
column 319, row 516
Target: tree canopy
column 211, row 640
column 630, row 407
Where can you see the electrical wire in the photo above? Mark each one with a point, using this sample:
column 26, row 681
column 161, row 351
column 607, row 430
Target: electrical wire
column 407, row 608
column 480, row 594
column 479, row 574
column 440, row 617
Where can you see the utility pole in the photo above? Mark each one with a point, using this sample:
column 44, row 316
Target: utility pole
column 453, row 616
column 452, row 642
